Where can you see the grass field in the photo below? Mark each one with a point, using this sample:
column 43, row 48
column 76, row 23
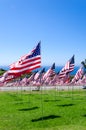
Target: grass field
column 43, row 110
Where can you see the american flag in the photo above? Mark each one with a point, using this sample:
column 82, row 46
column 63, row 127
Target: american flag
column 24, row 65
column 31, row 78
column 39, row 74
column 49, row 75
column 38, row 77
column 78, row 75
column 6, row 78
column 69, row 67
column 50, row 72
column 27, row 63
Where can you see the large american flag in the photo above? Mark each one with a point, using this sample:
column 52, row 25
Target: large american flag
column 26, row 63
column 69, row 67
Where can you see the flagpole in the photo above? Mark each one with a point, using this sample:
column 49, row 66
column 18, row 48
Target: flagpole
column 41, row 95
column 42, row 104
column 30, row 92
column 29, row 96
column 55, row 92
column 68, row 85
column 41, row 88
column 72, row 91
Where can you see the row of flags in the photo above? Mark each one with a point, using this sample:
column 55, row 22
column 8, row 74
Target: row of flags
column 32, row 61
column 50, row 77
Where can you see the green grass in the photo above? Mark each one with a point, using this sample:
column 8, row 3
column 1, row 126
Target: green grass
column 43, row 110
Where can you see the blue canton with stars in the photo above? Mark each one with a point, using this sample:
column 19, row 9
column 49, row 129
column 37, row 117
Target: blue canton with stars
column 35, row 52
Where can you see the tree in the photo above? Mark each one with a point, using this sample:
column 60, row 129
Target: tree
column 2, row 71
column 84, row 63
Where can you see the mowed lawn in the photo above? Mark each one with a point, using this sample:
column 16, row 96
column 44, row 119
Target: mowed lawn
column 43, row 110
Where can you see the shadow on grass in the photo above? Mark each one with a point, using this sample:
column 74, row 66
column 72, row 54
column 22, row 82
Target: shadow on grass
column 28, row 109
column 50, row 100
column 84, row 115
column 66, row 105
column 67, row 96
column 21, row 102
column 15, row 97
column 45, row 118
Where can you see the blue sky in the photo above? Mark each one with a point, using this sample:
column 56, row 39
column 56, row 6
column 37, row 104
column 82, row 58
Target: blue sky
column 59, row 24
